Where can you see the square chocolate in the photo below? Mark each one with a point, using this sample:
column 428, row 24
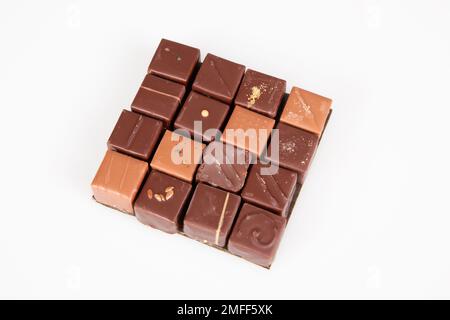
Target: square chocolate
column 208, row 112
column 270, row 187
column 177, row 156
column 224, row 166
column 261, row 93
column 211, row 214
column 158, row 98
column 296, row 148
column 135, row 135
column 174, row 61
column 218, row 78
column 306, row 110
column 248, row 130
column 161, row 202
column 118, row 180
column 163, row 86
column 256, row 235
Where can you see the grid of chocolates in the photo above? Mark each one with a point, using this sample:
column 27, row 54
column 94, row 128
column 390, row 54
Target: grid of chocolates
column 230, row 205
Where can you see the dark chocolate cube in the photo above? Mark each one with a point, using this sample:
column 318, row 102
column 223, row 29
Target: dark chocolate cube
column 161, row 202
column 174, row 61
column 158, row 98
column 218, row 78
column 211, row 113
column 296, row 148
column 135, row 135
column 224, row 166
column 256, row 235
column 270, row 187
column 261, row 93
column 163, row 86
column 211, row 214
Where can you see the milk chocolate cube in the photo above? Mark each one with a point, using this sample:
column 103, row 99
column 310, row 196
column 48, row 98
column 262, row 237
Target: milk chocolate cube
column 306, row 110
column 271, row 187
column 218, row 78
column 211, row 214
column 118, row 180
column 256, row 235
column 248, row 130
column 261, row 93
column 293, row 150
column 201, row 110
column 135, row 135
column 177, row 156
column 158, row 98
column 161, row 202
column 174, row 61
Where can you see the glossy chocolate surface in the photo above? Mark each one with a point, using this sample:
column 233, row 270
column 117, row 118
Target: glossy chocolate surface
column 256, row 235
column 261, row 93
column 118, row 180
column 296, row 149
column 178, row 156
column 158, row 98
column 218, row 78
column 135, row 135
column 174, row 61
column 211, row 214
column 248, row 130
column 224, row 166
column 272, row 189
column 208, row 112
column 161, row 202
column 306, row 110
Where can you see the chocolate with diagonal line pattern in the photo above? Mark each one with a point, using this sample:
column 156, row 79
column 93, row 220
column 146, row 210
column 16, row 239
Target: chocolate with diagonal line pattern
column 219, row 78
column 224, row 166
column 272, row 191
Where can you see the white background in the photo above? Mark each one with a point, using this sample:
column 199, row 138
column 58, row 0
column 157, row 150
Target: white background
column 372, row 220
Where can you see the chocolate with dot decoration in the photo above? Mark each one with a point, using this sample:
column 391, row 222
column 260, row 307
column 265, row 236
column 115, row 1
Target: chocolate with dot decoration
column 174, row 61
column 208, row 114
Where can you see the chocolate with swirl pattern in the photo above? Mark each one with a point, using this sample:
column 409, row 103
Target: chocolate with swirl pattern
column 256, row 235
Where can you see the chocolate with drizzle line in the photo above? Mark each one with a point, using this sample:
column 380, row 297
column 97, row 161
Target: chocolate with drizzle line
column 211, row 214
column 135, row 135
